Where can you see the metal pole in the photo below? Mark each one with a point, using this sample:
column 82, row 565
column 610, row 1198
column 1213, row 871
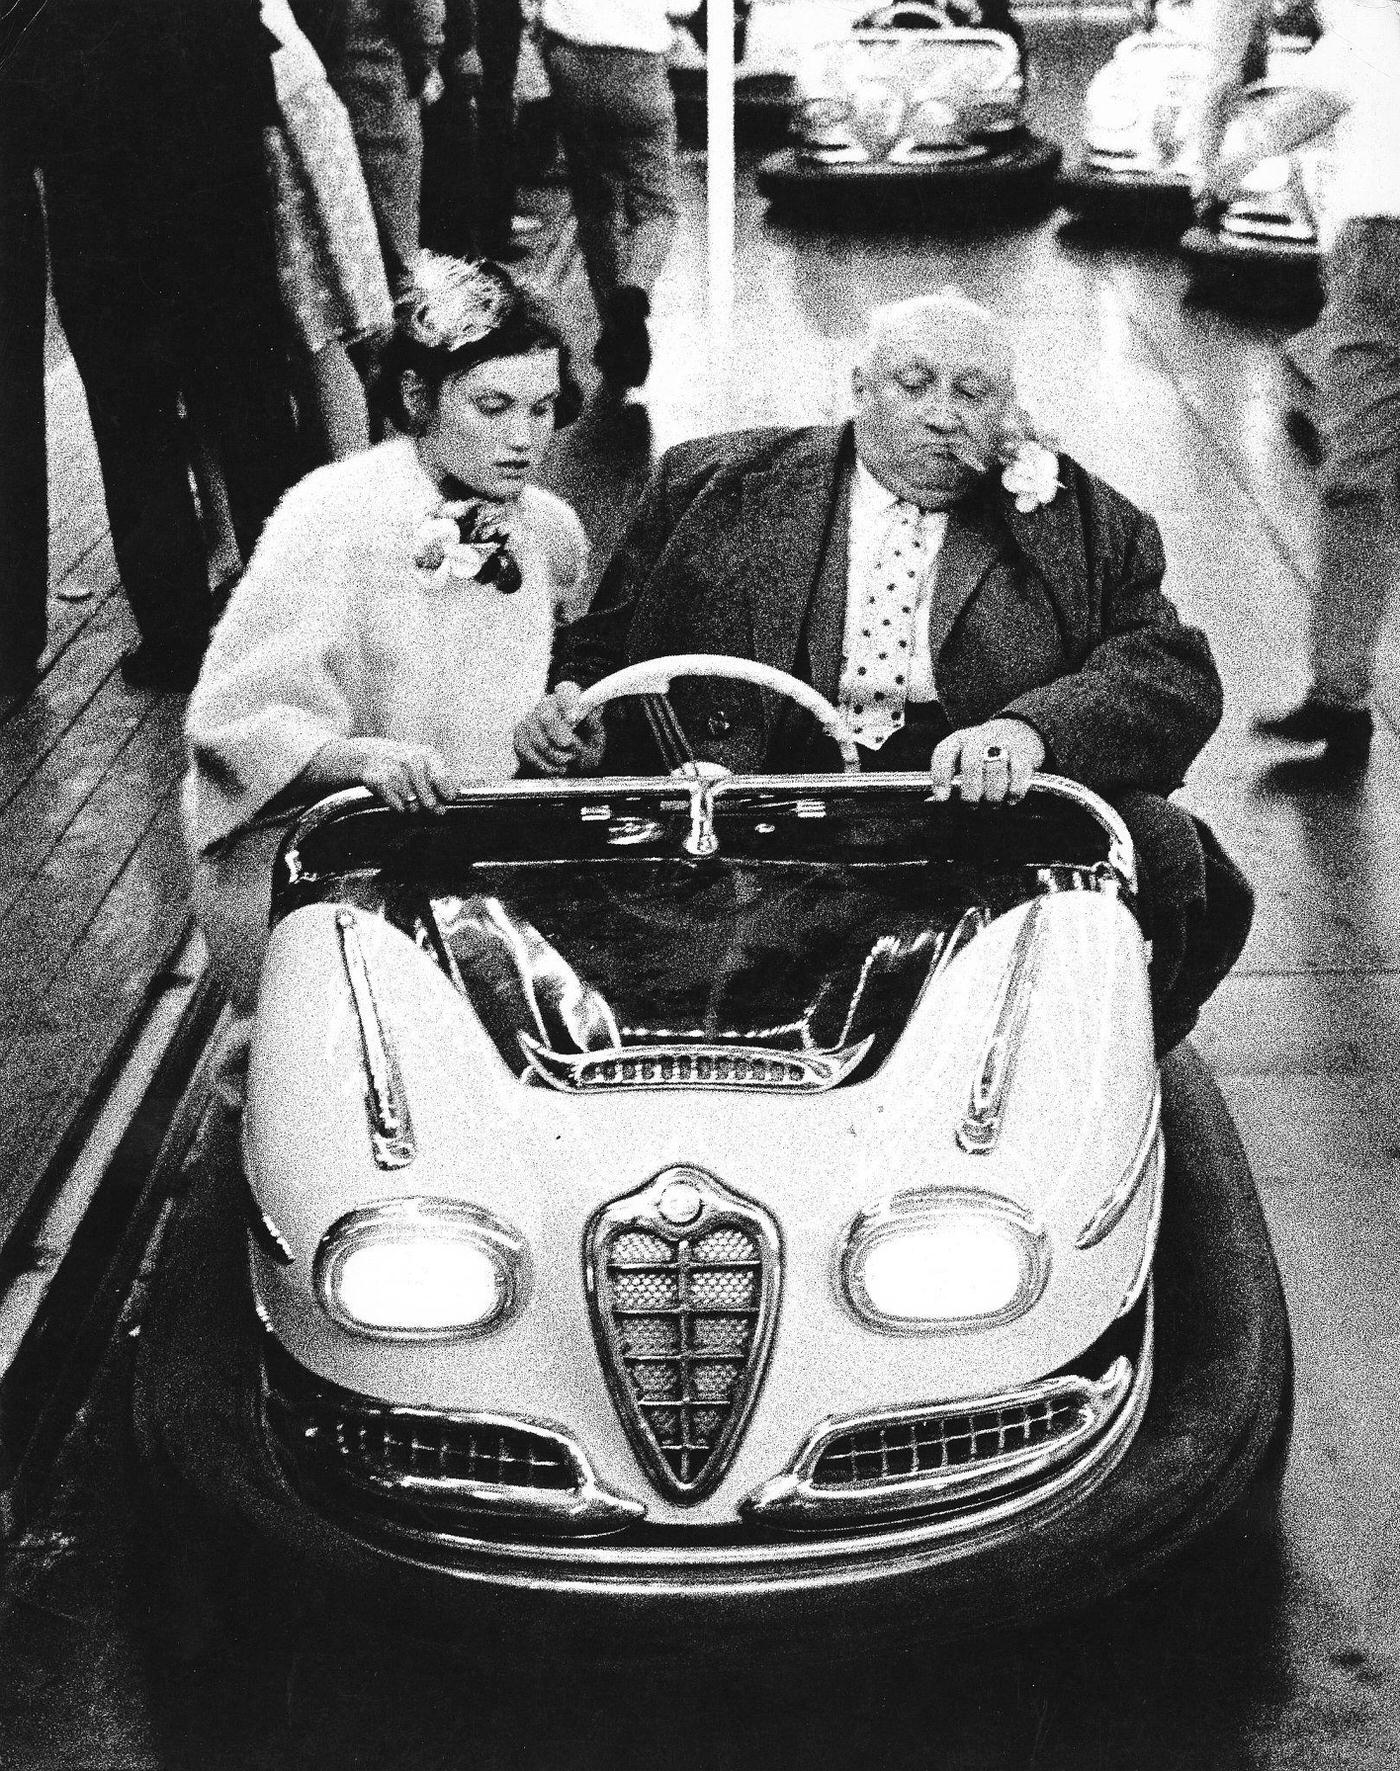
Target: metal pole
column 719, row 103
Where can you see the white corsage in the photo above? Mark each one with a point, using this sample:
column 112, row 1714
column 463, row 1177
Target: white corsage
column 1032, row 476
column 465, row 539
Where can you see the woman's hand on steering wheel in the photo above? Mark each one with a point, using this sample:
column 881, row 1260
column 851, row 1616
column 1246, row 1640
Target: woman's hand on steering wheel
column 547, row 738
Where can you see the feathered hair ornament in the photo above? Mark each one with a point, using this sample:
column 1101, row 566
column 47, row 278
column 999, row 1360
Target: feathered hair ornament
column 453, row 302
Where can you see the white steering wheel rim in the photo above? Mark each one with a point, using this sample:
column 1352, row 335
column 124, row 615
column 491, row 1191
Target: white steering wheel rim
column 654, row 676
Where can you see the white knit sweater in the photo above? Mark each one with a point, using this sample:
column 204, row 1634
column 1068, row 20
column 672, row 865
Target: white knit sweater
column 333, row 632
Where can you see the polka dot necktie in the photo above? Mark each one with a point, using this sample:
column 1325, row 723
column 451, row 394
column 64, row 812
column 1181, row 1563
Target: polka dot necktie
column 880, row 644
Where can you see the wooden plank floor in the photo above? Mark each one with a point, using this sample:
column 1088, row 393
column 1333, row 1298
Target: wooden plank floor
column 1289, row 1668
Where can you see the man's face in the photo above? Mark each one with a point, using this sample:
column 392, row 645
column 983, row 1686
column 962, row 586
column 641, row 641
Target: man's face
column 931, row 402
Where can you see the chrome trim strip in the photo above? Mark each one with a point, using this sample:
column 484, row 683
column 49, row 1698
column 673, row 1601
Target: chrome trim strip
column 1111, row 1212
column 750, row 1068
column 795, row 1500
column 902, row 1213
column 1157, row 1168
column 391, row 1131
column 596, row 788
column 451, row 1219
column 980, row 1126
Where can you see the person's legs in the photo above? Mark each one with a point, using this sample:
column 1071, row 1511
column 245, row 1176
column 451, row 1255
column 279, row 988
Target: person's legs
column 1360, row 482
column 123, row 355
column 451, row 164
column 1359, row 410
column 387, row 125
column 24, row 497
column 642, row 166
column 618, row 124
column 498, row 28
column 575, row 75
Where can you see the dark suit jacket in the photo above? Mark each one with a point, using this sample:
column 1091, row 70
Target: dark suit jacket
column 1056, row 617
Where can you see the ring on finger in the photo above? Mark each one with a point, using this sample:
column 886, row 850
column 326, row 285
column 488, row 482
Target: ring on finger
column 995, row 753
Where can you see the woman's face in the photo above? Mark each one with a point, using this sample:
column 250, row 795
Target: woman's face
column 490, row 425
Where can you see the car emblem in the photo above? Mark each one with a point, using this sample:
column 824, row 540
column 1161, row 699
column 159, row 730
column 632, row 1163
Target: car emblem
column 683, row 1278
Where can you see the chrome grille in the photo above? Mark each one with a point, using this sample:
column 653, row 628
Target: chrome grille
column 896, row 1451
column 683, row 1318
column 396, row 1446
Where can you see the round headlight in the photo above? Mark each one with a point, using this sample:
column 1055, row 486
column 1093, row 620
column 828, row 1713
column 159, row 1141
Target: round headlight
column 1269, row 177
column 949, row 1259
column 420, row 1269
column 1110, row 113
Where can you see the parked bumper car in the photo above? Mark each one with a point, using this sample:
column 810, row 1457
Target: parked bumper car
column 1139, row 115
column 1266, row 239
column 701, row 1211
column 918, row 108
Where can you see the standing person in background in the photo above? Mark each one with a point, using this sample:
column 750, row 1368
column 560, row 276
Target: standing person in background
column 328, row 259
column 1349, row 83
column 382, row 59
column 145, row 124
column 499, row 24
column 451, row 154
column 617, row 121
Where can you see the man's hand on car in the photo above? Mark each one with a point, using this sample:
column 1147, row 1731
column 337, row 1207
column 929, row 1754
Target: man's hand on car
column 993, row 761
column 548, row 739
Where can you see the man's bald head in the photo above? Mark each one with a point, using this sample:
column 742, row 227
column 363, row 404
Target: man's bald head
column 945, row 318
column 934, row 385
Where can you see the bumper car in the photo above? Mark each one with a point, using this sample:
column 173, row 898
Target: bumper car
column 704, row 1211
column 1139, row 113
column 1266, row 240
column 919, row 108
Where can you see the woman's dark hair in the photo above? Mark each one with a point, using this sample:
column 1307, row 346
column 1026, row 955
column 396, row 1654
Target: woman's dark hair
column 523, row 322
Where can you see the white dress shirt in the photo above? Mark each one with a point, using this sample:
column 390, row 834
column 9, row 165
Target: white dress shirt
column 873, row 511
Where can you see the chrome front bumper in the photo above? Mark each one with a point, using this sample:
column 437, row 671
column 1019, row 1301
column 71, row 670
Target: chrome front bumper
column 954, row 1480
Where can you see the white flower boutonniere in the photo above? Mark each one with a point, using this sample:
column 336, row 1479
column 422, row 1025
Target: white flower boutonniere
column 1032, row 476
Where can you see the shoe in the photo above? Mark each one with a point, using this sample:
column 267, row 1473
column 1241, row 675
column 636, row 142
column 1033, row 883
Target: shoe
column 1302, row 433
column 160, row 673
column 623, row 350
column 17, row 680
column 1322, row 775
column 1346, row 731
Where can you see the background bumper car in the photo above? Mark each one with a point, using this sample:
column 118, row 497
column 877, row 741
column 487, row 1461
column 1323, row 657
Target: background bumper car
column 1264, row 244
column 1139, row 114
column 918, row 109
column 693, row 1214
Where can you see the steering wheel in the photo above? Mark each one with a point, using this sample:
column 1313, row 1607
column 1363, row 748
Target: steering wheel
column 653, row 676
column 923, row 15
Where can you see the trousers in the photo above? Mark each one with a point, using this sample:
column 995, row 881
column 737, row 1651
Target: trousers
column 617, row 123
column 1359, row 419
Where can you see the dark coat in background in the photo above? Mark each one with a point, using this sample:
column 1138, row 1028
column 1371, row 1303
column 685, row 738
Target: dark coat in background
column 1055, row 616
column 143, row 123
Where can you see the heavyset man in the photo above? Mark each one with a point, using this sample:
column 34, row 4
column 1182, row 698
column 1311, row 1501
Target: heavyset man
column 978, row 622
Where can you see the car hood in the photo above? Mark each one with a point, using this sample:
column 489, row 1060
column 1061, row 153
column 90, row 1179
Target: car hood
column 544, row 1162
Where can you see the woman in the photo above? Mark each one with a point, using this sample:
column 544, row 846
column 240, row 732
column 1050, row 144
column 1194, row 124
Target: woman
column 398, row 615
